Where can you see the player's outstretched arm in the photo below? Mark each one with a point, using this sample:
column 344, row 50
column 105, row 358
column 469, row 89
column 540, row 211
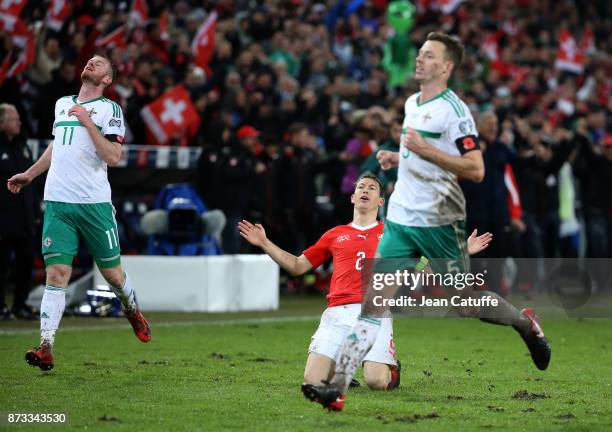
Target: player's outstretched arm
column 256, row 235
column 476, row 243
column 19, row 181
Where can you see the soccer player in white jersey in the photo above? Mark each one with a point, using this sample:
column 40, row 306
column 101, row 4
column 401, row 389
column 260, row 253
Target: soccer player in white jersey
column 426, row 215
column 88, row 133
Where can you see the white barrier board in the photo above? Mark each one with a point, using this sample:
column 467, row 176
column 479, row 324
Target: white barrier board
column 225, row 283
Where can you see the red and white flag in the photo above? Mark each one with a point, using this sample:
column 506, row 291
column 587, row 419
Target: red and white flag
column 9, row 13
column 139, row 13
column 203, row 44
column 20, row 34
column 59, row 10
column 447, row 7
column 587, row 43
column 114, row 39
column 490, row 45
column 570, row 57
column 514, row 198
column 163, row 27
column 25, row 59
column 171, row 115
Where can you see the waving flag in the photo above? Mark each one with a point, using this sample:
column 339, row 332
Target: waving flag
column 59, row 10
column 171, row 114
column 570, row 57
column 139, row 13
column 447, row 7
column 203, row 44
column 25, row 59
column 9, row 13
column 114, row 39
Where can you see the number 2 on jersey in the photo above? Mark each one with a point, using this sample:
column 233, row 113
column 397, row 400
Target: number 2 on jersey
column 66, row 133
column 360, row 257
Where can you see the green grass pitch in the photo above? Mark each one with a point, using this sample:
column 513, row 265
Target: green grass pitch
column 243, row 371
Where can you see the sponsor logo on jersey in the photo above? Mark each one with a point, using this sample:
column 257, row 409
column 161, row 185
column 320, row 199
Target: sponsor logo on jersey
column 342, row 238
column 114, row 122
column 47, row 241
column 91, row 112
column 466, row 126
column 426, row 117
column 62, row 112
column 363, row 236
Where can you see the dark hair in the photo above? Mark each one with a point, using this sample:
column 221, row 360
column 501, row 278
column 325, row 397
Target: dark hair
column 369, row 175
column 454, row 47
column 295, row 128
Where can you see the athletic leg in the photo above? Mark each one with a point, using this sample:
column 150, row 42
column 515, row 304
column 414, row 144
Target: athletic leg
column 318, row 368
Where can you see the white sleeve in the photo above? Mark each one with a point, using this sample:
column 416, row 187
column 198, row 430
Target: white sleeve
column 462, row 125
column 114, row 123
column 54, row 117
column 461, row 129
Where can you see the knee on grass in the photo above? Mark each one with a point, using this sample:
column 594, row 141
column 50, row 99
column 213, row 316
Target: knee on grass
column 377, row 379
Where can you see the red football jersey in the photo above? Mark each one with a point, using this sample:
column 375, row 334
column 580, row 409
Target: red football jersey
column 348, row 245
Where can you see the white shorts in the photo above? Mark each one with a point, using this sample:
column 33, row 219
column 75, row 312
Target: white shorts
column 337, row 322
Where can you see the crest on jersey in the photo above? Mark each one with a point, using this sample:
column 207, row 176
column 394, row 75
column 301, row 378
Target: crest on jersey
column 466, row 127
column 342, row 238
column 47, row 241
column 114, row 122
column 426, row 117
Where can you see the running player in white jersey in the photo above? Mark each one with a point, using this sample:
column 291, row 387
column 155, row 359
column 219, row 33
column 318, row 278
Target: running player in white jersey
column 426, row 215
column 88, row 133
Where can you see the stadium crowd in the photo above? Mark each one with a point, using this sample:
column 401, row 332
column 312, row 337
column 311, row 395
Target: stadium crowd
column 294, row 104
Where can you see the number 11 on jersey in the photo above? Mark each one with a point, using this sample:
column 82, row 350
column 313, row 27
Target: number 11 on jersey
column 112, row 238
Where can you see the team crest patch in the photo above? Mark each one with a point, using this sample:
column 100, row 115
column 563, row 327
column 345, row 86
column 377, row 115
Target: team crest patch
column 466, row 126
column 342, row 238
column 47, row 241
column 114, row 122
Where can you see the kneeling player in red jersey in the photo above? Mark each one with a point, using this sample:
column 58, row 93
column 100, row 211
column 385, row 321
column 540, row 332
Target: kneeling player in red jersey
column 348, row 246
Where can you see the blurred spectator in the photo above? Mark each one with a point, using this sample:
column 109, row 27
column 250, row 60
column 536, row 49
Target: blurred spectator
column 64, row 82
column 297, row 168
column 17, row 217
column 595, row 172
column 49, row 58
column 388, row 177
column 232, row 180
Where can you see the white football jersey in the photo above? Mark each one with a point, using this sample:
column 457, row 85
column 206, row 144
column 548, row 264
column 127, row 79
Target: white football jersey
column 77, row 174
column 426, row 195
